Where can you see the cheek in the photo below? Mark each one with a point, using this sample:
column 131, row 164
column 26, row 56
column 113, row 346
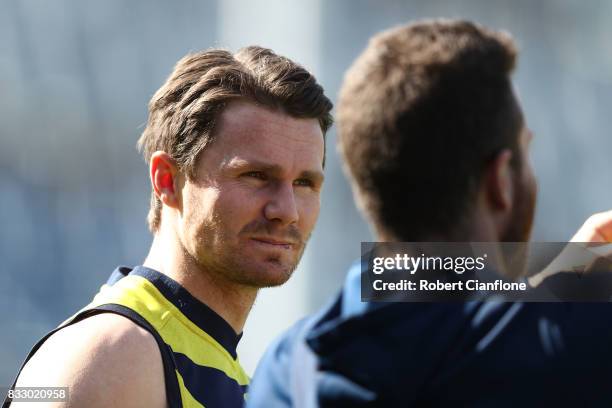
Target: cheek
column 235, row 208
column 309, row 212
column 198, row 210
column 528, row 174
column 532, row 183
column 200, row 203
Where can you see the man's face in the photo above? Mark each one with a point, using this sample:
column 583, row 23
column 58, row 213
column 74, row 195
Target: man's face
column 254, row 199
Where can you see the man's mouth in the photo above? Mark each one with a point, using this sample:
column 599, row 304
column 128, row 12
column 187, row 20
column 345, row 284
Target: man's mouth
column 274, row 242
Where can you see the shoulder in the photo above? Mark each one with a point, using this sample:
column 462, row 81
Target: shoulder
column 105, row 360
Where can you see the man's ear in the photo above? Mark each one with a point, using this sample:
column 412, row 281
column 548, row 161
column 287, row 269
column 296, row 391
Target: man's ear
column 164, row 173
column 499, row 181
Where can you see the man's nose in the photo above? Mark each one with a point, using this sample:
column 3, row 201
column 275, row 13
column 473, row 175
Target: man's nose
column 281, row 206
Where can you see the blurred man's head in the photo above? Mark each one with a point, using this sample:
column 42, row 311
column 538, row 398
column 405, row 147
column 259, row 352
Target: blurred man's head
column 433, row 136
column 235, row 144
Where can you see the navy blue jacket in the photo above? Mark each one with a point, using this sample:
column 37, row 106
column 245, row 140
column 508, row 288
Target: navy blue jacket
column 476, row 354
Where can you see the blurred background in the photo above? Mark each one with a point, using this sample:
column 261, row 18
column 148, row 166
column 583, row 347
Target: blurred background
column 75, row 79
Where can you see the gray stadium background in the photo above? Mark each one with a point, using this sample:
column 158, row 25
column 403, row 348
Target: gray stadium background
column 75, row 78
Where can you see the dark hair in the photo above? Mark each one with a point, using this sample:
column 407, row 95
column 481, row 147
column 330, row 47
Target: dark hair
column 421, row 112
column 183, row 112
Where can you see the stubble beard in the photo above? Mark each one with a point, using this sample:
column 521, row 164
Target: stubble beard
column 519, row 231
column 522, row 216
column 233, row 267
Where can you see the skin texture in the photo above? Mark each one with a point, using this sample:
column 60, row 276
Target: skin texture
column 105, row 361
column 255, row 199
column 243, row 221
column 240, row 224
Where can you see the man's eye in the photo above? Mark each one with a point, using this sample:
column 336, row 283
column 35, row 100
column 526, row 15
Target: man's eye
column 303, row 182
column 255, row 174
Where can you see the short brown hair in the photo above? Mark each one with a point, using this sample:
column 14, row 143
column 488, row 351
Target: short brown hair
column 183, row 112
column 420, row 113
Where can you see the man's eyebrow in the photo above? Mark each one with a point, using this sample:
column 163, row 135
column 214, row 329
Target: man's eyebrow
column 254, row 164
column 314, row 175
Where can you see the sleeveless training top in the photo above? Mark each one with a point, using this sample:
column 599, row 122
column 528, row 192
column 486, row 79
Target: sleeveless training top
column 198, row 347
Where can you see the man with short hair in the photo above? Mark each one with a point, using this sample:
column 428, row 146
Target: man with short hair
column 235, row 147
column 436, row 147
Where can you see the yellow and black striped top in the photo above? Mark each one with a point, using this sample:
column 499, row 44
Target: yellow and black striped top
column 198, row 347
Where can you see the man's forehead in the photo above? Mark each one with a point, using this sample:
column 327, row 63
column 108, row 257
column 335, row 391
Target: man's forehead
column 245, row 116
column 255, row 159
column 248, row 133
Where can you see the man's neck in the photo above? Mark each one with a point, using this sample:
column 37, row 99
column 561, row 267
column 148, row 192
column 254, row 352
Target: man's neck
column 229, row 300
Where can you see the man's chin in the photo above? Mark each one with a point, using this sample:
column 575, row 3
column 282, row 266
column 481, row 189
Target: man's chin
column 272, row 283
column 274, row 276
column 271, row 274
